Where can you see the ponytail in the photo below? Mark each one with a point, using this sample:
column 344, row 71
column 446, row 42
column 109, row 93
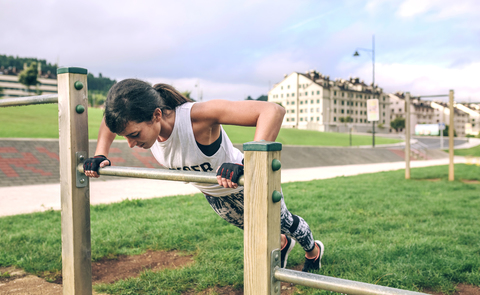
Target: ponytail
column 133, row 100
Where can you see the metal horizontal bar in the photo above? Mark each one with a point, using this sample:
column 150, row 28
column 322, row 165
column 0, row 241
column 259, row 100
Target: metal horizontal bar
column 336, row 284
column 162, row 174
column 28, row 100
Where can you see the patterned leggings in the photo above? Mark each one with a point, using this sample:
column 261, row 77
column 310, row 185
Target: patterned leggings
column 231, row 207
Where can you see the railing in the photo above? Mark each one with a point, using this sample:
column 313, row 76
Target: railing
column 28, row 100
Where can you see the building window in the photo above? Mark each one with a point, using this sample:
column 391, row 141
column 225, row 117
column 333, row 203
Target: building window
column 334, row 119
column 288, row 120
column 356, row 112
column 311, row 101
column 360, row 120
column 342, row 111
column 311, row 119
column 334, row 110
column 356, row 104
column 343, row 94
column 334, row 101
column 301, row 119
column 360, row 96
column 318, row 100
column 318, row 110
column 293, row 102
column 287, row 95
column 292, row 111
column 281, row 95
column 288, row 102
column 301, row 110
column 335, row 93
column 281, row 87
column 293, row 94
column 293, row 119
column 343, row 102
column 318, row 92
column 318, row 119
column 313, row 93
column 288, row 87
column 311, row 110
column 306, row 93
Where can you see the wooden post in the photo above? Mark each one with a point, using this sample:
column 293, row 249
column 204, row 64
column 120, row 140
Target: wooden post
column 262, row 215
column 407, row 135
column 451, row 129
column 73, row 147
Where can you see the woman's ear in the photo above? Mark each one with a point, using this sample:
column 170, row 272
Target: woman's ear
column 157, row 115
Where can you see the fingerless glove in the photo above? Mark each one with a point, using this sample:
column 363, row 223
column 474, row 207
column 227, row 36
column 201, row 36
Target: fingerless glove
column 230, row 171
column 94, row 163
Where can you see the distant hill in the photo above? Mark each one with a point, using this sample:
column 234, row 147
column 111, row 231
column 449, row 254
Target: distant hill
column 261, row 97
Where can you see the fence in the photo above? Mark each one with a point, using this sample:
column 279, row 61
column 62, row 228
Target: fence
column 262, row 272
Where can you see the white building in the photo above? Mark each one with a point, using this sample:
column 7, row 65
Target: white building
column 473, row 111
column 426, row 112
column 13, row 88
column 313, row 101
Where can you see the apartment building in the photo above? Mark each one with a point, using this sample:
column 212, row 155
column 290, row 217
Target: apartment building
column 12, row 88
column 473, row 111
column 426, row 112
column 313, row 101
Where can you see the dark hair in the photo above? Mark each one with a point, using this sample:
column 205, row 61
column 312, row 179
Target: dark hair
column 133, row 100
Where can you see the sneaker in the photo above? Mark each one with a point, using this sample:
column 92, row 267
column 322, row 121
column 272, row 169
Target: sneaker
column 314, row 264
column 286, row 250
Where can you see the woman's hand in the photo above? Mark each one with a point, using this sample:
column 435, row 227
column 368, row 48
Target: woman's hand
column 91, row 165
column 228, row 174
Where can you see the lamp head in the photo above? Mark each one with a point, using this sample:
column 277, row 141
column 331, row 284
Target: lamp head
column 356, row 53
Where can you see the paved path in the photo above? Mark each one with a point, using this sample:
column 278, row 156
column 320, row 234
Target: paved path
column 33, row 198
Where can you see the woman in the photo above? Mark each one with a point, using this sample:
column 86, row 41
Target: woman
column 188, row 136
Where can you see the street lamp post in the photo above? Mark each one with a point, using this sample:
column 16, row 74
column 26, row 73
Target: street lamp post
column 373, row 79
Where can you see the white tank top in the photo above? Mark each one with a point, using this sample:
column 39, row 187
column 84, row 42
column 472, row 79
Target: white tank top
column 180, row 152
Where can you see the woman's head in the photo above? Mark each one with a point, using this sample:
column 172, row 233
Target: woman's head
column 133, row 100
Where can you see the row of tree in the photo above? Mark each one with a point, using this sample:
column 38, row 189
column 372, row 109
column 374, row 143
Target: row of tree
column 97, row 86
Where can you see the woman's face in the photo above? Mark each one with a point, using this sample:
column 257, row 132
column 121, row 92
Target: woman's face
column 143, row 134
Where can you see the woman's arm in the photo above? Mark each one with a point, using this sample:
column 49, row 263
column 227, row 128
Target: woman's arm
column 267, row 117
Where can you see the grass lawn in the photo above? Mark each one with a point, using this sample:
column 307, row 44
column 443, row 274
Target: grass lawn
column 377, row 228
column 473, row 152
column 41, row 121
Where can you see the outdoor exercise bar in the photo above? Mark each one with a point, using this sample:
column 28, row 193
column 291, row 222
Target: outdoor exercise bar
column 162, row 174
column 262, row 274
column 28, row 100
column 336, row 284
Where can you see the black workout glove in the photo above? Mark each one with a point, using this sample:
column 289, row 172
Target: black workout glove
column 230, row 171
column 94, row 163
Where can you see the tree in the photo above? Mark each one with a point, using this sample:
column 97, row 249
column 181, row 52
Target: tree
column 249, row 98
column 96, row 98
column 346, row 119
column 445, row 131
column 187, row 94
column 398, row 123
column 28, row 77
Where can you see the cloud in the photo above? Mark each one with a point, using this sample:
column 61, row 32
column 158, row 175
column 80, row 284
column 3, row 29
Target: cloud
column 209, row 90
column 438, row 9
column 426, row 79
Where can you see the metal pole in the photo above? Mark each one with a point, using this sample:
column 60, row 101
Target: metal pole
column 451, row 129
column 336, row 284
column 373, row 81
column 407, row 135
column 162, row 174
column 28, row 100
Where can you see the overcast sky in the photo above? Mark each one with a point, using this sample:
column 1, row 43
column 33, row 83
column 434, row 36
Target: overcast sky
column 232, row 49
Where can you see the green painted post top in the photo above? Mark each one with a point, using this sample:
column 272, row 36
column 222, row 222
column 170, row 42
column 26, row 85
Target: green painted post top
column 262, row 146
column 71, row 70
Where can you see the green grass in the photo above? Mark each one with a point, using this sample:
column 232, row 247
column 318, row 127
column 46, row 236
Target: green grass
column 41, row 121
column 377, row 228
column 473, row 152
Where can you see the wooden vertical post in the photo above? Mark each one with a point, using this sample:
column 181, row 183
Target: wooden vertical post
column 262, row 215
column 451, row 129
column 407, row 135
column 75, row 197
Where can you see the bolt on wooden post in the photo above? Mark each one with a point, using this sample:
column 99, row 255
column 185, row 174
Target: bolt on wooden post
column 261, row 215
column 74, row 190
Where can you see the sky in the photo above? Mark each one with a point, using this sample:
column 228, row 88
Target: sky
column 233, row 49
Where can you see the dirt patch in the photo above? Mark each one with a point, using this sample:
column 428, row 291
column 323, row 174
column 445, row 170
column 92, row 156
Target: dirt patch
column 461, row 289
column 16, row 281
column 470, row 181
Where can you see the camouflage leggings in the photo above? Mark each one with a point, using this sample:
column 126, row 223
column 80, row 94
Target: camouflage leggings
column 231, row 207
